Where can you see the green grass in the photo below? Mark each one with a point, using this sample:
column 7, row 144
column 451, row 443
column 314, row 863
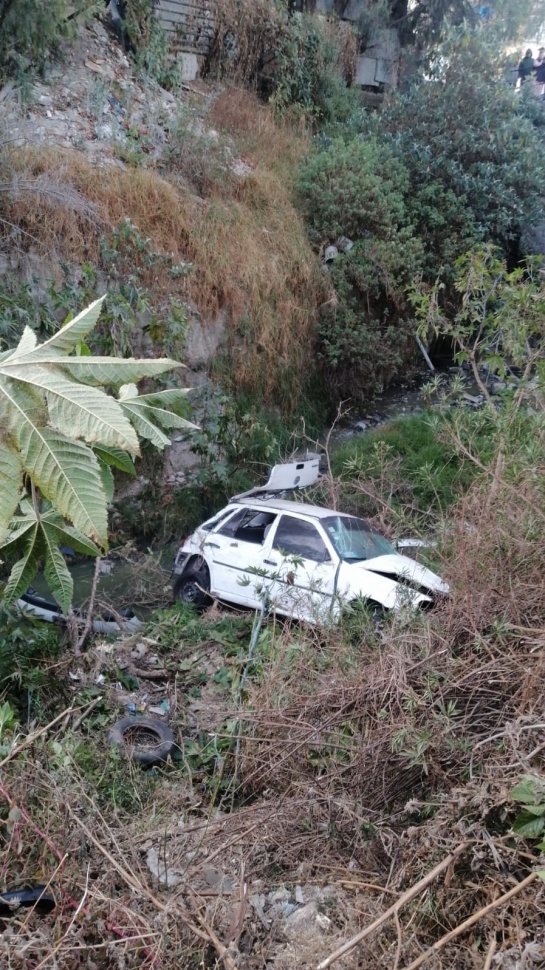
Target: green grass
column 411, row 459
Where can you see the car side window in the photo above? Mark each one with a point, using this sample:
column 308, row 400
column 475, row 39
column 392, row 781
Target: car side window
column 298, row 538
column 213, row 523
column 232, row 524
column 253, row 526
column 248, row 525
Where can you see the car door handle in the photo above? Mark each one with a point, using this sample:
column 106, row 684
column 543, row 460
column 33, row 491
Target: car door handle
column 270, row 562
column 213, row 545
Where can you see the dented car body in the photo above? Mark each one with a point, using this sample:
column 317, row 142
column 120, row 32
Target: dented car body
column 305, row 561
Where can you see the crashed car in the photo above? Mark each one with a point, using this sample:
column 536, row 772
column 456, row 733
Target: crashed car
column 302, row 561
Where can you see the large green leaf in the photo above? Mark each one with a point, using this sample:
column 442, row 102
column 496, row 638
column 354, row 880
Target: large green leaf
column 19, row 528
column 63, row 431
column 11, row 479
column 57, row 574
column 116, row 458
column 26, row 568
column 154, row 407
column 68, row 337
column 68, row 536
column 112, row 371
column 67, row 473
column 148, row 415
column 108, row 483
column 26, row 344
column 528, row 826
column 79, row 411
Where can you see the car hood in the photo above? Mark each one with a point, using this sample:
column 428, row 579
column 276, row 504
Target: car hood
column 406, row 569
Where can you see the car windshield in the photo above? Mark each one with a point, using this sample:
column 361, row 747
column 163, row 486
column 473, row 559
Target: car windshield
column 354, row 540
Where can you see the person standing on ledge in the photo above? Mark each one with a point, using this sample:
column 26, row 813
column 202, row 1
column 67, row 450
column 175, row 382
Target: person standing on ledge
column 526, row 66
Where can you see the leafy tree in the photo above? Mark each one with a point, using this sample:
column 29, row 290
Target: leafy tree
column 61, row 432
column 474, row 162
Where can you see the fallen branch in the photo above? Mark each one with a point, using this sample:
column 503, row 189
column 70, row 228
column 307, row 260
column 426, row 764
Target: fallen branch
column 470, row 921
column 394, row 909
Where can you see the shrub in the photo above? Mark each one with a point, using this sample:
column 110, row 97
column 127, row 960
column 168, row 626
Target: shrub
column 310, row 69
column 357, row 190
column 474, row 161
column 301, row 62
column 31, row 32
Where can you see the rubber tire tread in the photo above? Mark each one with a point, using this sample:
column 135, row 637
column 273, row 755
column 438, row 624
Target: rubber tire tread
column 166, row 741
column 201, row 577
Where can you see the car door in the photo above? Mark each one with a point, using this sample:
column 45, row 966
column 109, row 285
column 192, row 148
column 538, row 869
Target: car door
column 236, row 551
column 304, row 567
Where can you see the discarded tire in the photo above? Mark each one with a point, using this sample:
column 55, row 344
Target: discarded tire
column 143, row 739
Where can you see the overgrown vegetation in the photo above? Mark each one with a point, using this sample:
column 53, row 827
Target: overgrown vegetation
column 410, row 188
column 361, row 756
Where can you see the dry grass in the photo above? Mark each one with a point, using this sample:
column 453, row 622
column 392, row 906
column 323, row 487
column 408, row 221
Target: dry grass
column 364, row 761
column 250, row 256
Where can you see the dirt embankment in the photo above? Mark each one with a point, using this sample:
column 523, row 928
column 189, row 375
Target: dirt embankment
column 203, row 177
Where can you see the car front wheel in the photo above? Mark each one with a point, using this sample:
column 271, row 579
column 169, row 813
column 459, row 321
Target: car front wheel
column 193, row 586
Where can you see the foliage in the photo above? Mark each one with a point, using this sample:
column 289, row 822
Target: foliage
column 500, row 325
column 27, row 649
column 307, row 78
column 530, row 822
column 244, row 32
column 150, row 43
column 301, row 62
column 473, row 162
column 31, row 32
column 61, row 434
column 410, row 464
column 357, row 191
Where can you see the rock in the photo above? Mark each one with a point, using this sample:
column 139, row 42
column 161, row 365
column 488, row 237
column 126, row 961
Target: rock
column 361, row 426
column 104, row 132
column 103, row 69
column 306, row 923
column 299, row 897
column 280, row 895
column 216, row 880
column 497, row 386
column 240, row 168
column 204, row 339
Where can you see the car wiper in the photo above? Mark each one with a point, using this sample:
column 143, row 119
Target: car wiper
column 355, row 558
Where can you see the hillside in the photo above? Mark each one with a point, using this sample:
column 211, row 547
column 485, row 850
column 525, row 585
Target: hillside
column 363, row 792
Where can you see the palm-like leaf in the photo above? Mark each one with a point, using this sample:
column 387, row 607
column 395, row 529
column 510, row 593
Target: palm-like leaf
column 60, row 430
column 11, row 480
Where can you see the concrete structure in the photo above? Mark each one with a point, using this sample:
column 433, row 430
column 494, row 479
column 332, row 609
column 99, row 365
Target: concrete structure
column 190, row 24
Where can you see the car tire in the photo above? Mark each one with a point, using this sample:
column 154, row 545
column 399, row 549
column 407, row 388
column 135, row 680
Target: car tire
column 193, row 586
column 145, row 740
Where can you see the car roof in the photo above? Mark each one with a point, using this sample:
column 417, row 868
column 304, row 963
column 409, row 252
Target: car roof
column 283, row 505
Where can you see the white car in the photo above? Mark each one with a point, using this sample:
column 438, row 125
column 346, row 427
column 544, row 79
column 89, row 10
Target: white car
column 302, row 560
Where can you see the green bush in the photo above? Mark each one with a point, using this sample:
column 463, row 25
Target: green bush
column 31, row 33
column 474, row 160
column 358, row 190
column 308, row 76
column 417, row 459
